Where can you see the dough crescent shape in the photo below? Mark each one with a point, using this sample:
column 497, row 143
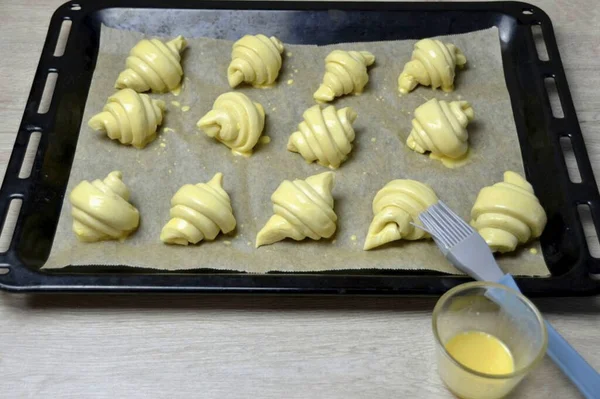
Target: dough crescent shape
column 433, row 63
column 255, row 59
column 345, row 73
column 199, row 212
column 441, row 128
column 508, row 213
column 101, row 210
column 130, row 117
column 396, row 206
column 303, row 208
column 325, row 135
column 235, row 121
column 153, row 65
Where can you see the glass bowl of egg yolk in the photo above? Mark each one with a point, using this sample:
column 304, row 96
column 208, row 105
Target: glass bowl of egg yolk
column 488, row 338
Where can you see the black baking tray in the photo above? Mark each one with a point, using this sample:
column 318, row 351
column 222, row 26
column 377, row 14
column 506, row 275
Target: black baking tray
column 563, row 242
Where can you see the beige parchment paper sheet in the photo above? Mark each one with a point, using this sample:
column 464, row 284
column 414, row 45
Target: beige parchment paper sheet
column 181, row 154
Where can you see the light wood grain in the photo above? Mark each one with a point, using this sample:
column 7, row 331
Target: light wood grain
column 264, row 347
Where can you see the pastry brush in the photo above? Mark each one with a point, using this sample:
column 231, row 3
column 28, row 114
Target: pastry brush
column 468, row 251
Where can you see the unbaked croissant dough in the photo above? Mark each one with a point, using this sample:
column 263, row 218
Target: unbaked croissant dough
column 303, row 208
column 130, row 117
column 101, row 210
column 345, row 73
column 235, row 121
column 441, row 128
column 255, row 60
column 153, row 65
column 325, row 135
column 508, row 213
column 433, row 63
column 199, row 212
column 396, row 206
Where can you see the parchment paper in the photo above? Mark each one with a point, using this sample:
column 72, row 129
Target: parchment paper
column 182, row 154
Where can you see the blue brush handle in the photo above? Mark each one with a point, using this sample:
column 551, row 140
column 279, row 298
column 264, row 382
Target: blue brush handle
column 585, row 378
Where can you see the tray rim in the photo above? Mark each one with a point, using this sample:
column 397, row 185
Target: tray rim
column 23, row 279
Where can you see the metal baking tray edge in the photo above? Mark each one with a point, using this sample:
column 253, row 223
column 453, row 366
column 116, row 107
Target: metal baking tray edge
column 563, row 243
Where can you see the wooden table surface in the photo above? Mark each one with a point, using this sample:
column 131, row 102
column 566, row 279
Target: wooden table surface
column 263, row 347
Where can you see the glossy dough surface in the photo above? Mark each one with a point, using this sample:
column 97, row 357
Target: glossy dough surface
column 255, row 59
column 345, row 73
column 441, row 128
column 199, row 212
column 325, row 135
column 153, row 65
column 101, row 209
column 303, row 208
column 129, row 117
column 508, row 213
column 396, row 206
column 235, row 121
column 433, row 63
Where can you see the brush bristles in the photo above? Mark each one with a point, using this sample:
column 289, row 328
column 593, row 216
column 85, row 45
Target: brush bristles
column 447, row 228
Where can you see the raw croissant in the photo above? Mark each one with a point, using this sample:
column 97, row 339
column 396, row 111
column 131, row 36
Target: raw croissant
column 129, row 117
column 440, row 127
column 199, row 212
column 433, row 63
column 235, row 121
column 101, row 210
column 508, row 213
column 153, row 65
column 345, row 73
column 325, row 135
column 255, row 60
column 396, row 206
column 303, row 208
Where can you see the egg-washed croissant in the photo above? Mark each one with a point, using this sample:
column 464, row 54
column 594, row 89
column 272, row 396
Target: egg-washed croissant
column 235, row 121
column 396, row 206
column 433, row 63
column 130, row 117
column 101, row 210
column 324, row 136
column 153, row 65
column 508, row 213
column 199, row 212
column 441, row 128
column 345, row 73
column 255, row 59
column 303, row 208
